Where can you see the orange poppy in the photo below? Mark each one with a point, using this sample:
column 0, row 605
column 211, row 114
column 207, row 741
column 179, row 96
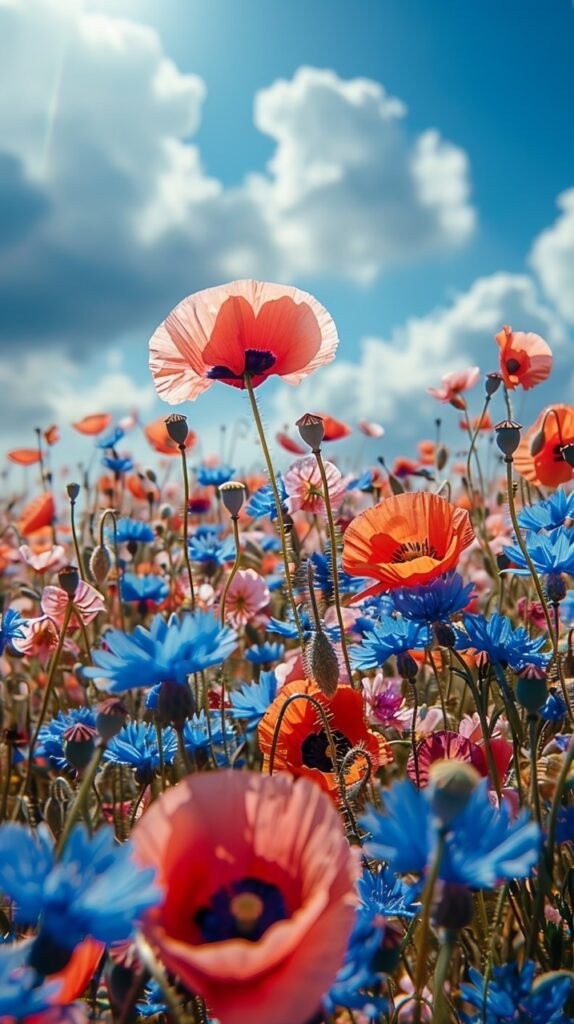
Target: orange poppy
column 303, row 749
column 158, row 437
column 289, row 444
column 427, row 453
column 483, row 422
column 525, row 359
column 538, row 457
column 335, row 430
column 38, row 513
column 24, row 456
column 52, row 434
column 406, row 540
column 93, row 424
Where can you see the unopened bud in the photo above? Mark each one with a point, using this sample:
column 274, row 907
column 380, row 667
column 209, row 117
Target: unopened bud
column 441, row 457
column 322, row 663
column 492, row 383
column 100, row 563
column 531, row 693
column 556, row 587
column 451, row 784
column 73, row 490
column 407, row 666
column 311, row 429
column 232, row 495
column 177, row 428
column 444, row 634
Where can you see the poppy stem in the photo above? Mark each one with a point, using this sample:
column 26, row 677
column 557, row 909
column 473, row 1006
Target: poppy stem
column 424, row 929
column 276, row 495
column 187, row 559
column 75, row 539
column 81, row 798
column 111, row 512
column 236, row 564
column 334, row 560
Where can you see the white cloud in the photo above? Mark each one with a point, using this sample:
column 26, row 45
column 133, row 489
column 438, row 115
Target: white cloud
column 387, row 383
column 552, row 257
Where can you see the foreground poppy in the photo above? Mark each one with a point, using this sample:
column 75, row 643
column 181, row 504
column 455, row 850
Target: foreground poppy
column 246, row 327
column 406, row 540
column 303, row 747
column 157, row 435
column 257, row 873
column 538, row 457
column 525, row 359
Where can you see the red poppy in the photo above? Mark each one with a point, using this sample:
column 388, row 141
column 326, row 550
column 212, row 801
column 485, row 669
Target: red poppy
column 289, row 444
column 525, row 359
column 93, row 424
column 161, row 442
column 403, row 467
column 406, row 540
column 246, row 327
column 256, row 871
column 24, row 456
column 38, row 514
column 481, row 423
column 303, row 748
column 335, row 430
column 52, row 435
column 538, row 457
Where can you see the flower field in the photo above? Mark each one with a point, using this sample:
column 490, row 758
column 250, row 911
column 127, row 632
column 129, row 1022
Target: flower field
column 291, row 746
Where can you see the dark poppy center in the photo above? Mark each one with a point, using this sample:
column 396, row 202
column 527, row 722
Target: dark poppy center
column 414, row 549
column 257, row 362
column 316, row 751
column 512, row 365
column 245, row 909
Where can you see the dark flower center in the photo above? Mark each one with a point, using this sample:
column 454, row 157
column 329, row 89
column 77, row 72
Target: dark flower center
column 414, row 549
column 257, row 362
column 512, row 365
column 316, row 751
column 242, row 910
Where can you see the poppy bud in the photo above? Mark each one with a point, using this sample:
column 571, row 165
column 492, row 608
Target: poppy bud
column 556, row 587
column 492, row 383
column 311, row 429
column 441, row 457
column 451, row 784
column 177, row 428
column 444, row 634
column 175, row 704
column 407, row 666
column 79, row 745
column 453, row 909
column 322, row 664
column 232, row 495
column 531, row 693
column 73, row 490
column 110, row 718
column 68, row 578
column 100, row 563
column 508, row 437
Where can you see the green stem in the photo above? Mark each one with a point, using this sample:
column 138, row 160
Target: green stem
column 78, row 806
column 424, row 929
column 280, row 520
column 186, row 523
column 439, row 1014
column 75, row 539
column 236, row 564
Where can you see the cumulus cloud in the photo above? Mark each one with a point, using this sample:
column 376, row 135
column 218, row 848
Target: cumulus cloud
column 111, row 217
column 388, row 381
column 552, row 257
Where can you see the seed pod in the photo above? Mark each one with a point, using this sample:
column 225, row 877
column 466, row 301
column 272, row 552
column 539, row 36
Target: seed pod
column 322, row 663
column 100, row 563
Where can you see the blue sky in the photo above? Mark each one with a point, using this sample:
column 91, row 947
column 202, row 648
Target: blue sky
column 413, row 189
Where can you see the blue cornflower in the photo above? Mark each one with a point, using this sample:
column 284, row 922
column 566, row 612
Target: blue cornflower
column 264, row 654
column 554, row 708
column 323, row 576
column 117, row 463
column 565, row 825
column 359, row 972
column 51, row 736
column 364, row 482
column 436, row 601
column 95, row 888
column 196, row 734
column 484, row 846
column 133, row 529
column 514, row 995
column 503, row 645
column 167, row 652
column 548, row 514
column 385, row 638
column 288, row 629
column 20, row 994
column 262, row 502
column 249, row 703
column 110, row 439
column 143, row 588
column 154, row 1001
column 137, row 745
column 11, row 628
column 383, row 893
column 549, row 552
column 214, row 476
column 206, row 546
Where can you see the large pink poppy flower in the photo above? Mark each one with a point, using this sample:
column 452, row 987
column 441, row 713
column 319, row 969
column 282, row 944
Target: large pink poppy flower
column 259, row 892
column 244, row 327
column 248, row 594
column 305, row 490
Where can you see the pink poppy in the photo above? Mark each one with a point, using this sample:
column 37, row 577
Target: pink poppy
column 87, row 600
column 525, row 359
column 256, row 872
column 247, row 595
column 305, row 488
column 40, row 638
column 453, row 384
column 246, row 327
column 43, row 561
column 370, row 429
